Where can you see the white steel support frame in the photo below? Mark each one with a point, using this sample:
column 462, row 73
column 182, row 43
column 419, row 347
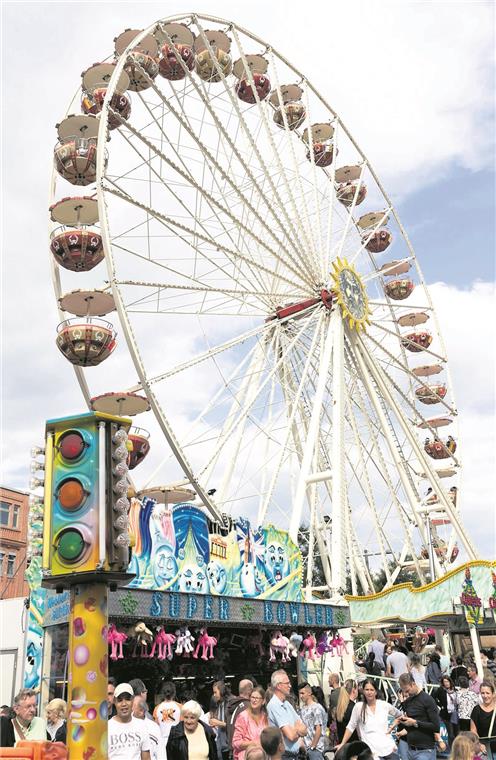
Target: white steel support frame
column 313, row 429
column 293, row 402
column 338, row 483
column 368, row 490
column 311, row 539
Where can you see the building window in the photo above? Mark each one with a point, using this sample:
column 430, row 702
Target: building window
column 15, row 515
column 2, row 555
column 4, row 512
column 10, row 565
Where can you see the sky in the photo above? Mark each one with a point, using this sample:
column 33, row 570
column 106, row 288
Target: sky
column 414, row 83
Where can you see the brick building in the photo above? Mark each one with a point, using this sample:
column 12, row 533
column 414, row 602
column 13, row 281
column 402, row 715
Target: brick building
column 13, row 538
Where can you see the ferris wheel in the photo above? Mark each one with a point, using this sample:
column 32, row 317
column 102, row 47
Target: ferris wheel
column 276, row 317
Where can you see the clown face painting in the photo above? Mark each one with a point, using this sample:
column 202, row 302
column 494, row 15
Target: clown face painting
column 165, row 567
column 193, row 579
column 217, row 577
column 276, row 563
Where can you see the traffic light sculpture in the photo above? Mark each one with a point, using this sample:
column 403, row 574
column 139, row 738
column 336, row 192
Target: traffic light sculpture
column 85, row 535
column 86, row 549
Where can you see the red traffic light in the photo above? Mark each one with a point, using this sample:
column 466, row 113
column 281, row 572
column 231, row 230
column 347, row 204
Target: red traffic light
column 71, row 445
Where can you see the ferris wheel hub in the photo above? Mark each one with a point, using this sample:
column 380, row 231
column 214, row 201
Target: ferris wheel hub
column 351, row 294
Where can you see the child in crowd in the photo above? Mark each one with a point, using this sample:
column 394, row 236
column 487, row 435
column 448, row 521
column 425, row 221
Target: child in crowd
column 272, row 743
column 465, row 746
column 254, row 752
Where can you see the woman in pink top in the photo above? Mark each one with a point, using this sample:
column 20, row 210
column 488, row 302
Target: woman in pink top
column 250, row 723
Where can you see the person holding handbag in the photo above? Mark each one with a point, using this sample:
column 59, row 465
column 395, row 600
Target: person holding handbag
column 483, row 719
column 218, row 718
column 446, row 700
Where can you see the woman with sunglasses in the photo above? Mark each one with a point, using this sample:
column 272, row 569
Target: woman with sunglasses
column 250, row 723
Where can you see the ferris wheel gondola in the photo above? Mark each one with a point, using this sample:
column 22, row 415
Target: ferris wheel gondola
column 227, row 194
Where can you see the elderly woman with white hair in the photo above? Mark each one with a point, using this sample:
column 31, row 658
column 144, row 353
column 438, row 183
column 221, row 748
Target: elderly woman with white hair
column 56, row 720
column 191, row 739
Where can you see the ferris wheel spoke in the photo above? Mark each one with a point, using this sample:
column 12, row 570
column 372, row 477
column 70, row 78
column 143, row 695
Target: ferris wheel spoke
column 293, row 409
column 190, row 434
column 234, row 294
column 183, row 275
column 329, row 187
column 173, row 223
column 328, row 252
column 297, row 247
column 213, row 351
column 244, row 399
column 168, row 187
column 315, row 253
column 281, row 205
column 245, row 409
column 163, row 421
column 214, row 204
column 201, row 193
column 178, row 305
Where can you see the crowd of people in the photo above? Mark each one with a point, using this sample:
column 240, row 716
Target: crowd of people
column 359, row 718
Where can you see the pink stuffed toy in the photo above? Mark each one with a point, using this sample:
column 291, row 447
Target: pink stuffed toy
column 279, row 644
column 116, row 639
column 164, row 643
column 207, row 644
column 309, row 643
column 340, row 645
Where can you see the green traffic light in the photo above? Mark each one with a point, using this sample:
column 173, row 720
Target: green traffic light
column 70, row 545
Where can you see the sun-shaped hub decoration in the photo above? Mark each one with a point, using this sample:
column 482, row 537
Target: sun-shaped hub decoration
column 351, row 294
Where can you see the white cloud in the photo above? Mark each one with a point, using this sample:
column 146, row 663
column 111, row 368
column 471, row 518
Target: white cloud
column 467, row 323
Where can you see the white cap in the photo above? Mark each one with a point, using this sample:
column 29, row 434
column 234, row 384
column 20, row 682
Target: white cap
column 123, row 688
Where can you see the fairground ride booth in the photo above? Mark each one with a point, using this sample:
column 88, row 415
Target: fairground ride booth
column 460, row 606
column 207, row 603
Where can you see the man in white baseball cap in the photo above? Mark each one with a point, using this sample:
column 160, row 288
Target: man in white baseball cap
column 127, row 736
